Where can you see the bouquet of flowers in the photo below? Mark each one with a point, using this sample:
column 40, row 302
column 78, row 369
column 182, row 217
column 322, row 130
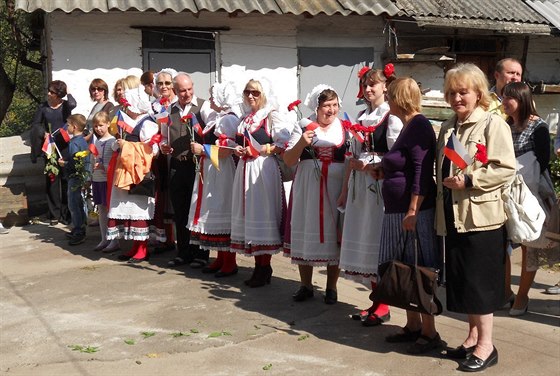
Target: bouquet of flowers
column 187, row 122
column 81, row 173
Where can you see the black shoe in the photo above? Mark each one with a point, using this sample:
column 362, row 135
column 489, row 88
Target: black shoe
column 210, row 270
column 177, row 261
column 406, row 335
column 123, row 257
column 53, row 222
column 460, row 352
column 134, row 260
column 255, row 272
column 303, row 294
column 475, row 364
column 374, row 320
column 262, row 277
column 331, row 297
column 198, row 263
column 221, row 274
column 77, row 239
column 424, row 344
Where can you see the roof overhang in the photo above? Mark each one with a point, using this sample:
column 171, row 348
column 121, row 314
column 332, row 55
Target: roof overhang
column 493, row 25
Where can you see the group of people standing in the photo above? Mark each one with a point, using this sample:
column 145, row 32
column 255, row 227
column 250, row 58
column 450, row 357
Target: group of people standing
column 363, row 191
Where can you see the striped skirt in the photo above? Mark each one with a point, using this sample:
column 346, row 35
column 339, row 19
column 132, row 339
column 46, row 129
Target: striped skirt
column 396, row 244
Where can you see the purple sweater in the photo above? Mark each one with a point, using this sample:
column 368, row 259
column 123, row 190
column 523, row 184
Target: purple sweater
column 409, row 167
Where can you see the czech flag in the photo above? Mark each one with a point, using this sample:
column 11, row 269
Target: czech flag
column 357, row 135
column 212, row 153
column 93, row 150
column 196, row 126
column 61, row 138
column 124, row 122
column 48, row 146
column 456, row 152
column 254, row 146
column 163, row 118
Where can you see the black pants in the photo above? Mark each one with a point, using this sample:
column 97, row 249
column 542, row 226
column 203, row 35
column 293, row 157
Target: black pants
column 182, row 176
column 57, row 198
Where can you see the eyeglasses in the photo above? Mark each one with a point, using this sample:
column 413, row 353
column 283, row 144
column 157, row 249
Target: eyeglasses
column 166, row 83
column 96, row 89
column 254, row 93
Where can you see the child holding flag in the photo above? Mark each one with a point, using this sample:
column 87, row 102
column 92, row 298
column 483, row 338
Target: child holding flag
column 76, row 147
column 102, row 151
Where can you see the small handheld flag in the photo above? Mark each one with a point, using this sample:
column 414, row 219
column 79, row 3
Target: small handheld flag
column 93, row 149
column 48, row 146
column 254, row 146
column 212, row 153
column 124, row 121
column 456, row 152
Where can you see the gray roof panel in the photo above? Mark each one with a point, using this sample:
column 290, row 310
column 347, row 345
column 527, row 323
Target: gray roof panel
column 549, row 9
column 314, row 7
column 501, row 10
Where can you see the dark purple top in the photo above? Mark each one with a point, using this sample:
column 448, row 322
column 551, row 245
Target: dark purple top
column 409, row 167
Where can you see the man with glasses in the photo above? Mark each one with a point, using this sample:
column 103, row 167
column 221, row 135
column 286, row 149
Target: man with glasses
column 176, row 142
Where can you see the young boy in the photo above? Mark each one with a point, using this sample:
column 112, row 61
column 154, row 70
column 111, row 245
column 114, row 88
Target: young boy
column 76, row 125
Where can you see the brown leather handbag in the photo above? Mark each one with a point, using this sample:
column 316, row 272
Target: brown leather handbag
column 408, row 286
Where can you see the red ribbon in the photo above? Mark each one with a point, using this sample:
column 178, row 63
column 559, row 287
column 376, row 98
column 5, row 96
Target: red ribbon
column 323, row 187
column 223, row 140
column 200, row 189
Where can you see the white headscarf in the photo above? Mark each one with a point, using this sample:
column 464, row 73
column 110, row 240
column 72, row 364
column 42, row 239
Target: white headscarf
column 138, row 100
column 227, row 96
column 312, row 99
column 170, row 71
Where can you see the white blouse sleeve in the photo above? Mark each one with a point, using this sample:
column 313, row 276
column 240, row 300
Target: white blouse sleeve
column 295, row 136
column 149, row 129
column 227, row 125
column 394, row 128
column 282, row 128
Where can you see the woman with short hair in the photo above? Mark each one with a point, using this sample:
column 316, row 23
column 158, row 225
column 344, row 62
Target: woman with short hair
column 470, row 211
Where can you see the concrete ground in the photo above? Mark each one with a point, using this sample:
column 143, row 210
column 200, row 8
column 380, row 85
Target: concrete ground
column 148, row 319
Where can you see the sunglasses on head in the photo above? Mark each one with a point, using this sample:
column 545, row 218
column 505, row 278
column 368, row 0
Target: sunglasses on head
column 96, row 89
column 166, row 83
column 254, row 93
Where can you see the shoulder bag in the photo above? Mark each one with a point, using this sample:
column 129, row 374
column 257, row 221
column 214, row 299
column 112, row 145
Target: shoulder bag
column 408, row 286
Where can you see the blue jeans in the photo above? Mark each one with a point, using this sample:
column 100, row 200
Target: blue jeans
column 76, row 207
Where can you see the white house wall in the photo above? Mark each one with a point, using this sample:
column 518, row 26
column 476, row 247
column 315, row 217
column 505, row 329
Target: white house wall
column 85, row 46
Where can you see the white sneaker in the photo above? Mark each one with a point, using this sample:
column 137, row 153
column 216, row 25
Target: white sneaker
column 553, row 290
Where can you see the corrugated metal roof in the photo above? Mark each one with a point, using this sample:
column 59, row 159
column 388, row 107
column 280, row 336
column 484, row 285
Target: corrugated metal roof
column 549, row 9
column 501, row 10
column 314, row 7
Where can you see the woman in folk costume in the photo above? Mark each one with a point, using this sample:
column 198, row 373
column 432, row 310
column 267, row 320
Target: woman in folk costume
column 320, row 144
column 130, row 214
column 258, row 193
column 210, row 208
column 162, row 224
column 376, row 132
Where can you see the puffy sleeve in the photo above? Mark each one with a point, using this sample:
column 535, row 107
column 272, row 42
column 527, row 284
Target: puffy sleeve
column 282, row 128
column 149, row 129
column 295, row 136
column 394, row 128
column 227, row 125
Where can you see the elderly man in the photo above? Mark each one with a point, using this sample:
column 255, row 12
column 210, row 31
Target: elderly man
column 176, row 142
column 507, row 70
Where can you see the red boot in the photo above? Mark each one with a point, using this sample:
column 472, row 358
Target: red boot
column 141, row 253
column 229, row 267
column 130, row 253
column 216, row 265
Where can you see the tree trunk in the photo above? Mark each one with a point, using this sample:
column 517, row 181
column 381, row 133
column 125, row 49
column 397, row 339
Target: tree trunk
column 7, row 88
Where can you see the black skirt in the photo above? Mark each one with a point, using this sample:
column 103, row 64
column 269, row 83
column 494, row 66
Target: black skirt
column 475, row 270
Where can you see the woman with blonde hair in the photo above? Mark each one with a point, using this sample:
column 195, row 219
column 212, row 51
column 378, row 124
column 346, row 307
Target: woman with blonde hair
column 409, row 200
column 258, row 203
column 470, row 211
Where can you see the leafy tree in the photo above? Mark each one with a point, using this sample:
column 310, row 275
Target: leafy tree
column 21, row 83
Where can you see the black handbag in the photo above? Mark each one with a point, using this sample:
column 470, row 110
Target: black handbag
column 147, row 186
column 408, row 286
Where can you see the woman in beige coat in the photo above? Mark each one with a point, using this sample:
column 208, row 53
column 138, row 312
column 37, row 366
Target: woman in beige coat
column 470, row 211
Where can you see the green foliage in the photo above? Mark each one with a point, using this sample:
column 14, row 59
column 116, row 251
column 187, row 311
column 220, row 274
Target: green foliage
column 555, row 175
column 26, row 80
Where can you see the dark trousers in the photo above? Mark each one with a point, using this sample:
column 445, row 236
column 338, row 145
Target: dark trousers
column 181, row 183
column 57, row 198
